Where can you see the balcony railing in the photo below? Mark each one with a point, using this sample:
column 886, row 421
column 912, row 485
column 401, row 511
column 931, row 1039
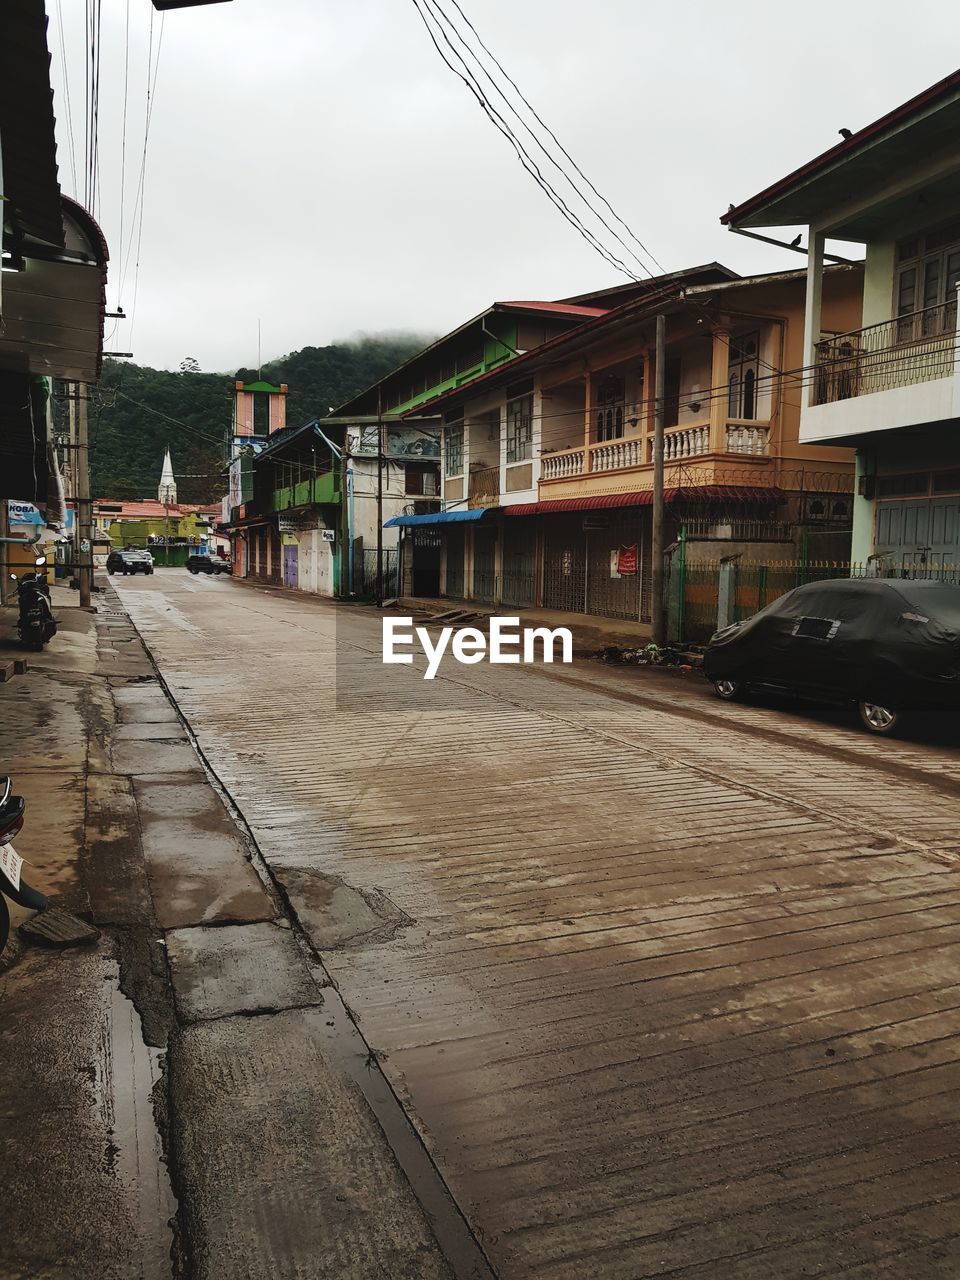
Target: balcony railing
column 558, row 466
column 679, row 443
column 484, row 488
column 897, row 353
column 686, row 442
column 747, row 437
column 614, row 455
column 317, row 490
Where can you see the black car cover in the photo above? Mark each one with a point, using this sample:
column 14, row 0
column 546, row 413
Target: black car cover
column 891, row 640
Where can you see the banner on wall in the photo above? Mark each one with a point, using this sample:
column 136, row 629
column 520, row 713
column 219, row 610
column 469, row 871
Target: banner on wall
column 627, row 561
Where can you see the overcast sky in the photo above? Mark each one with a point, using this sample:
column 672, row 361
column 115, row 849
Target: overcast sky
column 314, row 165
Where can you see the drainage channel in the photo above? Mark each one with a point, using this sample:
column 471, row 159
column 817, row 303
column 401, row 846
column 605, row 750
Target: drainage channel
column 349, row 1050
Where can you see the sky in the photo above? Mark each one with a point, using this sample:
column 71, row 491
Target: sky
column 313, row 168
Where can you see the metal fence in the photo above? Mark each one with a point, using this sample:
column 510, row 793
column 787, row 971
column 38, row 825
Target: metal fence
column 896, row 353
column 365, row 573
column 706, row 594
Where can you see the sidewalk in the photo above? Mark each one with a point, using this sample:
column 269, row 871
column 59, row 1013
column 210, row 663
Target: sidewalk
column 182, row 1098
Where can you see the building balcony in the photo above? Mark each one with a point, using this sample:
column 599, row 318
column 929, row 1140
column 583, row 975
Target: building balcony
column 484, row 490
column 318, row 491
column 898, row 373
column 740, row 436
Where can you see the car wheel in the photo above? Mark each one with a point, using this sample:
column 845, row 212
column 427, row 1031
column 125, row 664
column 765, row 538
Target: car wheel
column 878, row 718
column 192, row 569
column 729, row 690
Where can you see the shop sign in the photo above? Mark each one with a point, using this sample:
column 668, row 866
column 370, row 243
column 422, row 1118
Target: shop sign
column 627, row 561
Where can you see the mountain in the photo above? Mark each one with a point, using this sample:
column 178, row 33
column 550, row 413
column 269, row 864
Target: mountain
column 137, row 412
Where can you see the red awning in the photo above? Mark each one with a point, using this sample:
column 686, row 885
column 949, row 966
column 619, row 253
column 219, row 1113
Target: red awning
column 644, row 498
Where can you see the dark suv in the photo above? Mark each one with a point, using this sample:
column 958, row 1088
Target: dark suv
column 208, row 563
column 129, row 561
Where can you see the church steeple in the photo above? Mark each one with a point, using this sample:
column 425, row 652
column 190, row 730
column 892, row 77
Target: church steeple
column 167, row 492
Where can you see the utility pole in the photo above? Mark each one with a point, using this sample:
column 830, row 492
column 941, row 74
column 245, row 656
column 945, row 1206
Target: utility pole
column 84, row 502
column 659, row 612
column 380, row 453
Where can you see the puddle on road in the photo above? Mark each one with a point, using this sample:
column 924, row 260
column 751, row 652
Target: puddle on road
column 131, row 1078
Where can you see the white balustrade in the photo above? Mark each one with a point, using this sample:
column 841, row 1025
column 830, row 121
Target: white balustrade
column 747, row 439
column 558, row 466
column 614, row 455
column 686, row 442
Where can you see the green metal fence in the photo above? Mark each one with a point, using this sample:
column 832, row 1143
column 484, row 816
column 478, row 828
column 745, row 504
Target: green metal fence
column 708, row 593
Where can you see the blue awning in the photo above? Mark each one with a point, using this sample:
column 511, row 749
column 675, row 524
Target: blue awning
column 441, row 517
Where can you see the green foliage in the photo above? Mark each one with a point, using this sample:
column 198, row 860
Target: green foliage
column 323, row 378
column 137, row 413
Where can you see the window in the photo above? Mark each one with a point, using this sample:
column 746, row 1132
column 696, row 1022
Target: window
column 926, row 286
column 453, row 442
column 470, row 357
column 744, row 360
column 609, row 415
column 520, row 421
column 420, row 479
column 261, row 413
column 905, row 485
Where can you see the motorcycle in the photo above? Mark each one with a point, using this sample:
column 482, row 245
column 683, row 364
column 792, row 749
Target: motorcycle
column 12, row 883
column 36, row 623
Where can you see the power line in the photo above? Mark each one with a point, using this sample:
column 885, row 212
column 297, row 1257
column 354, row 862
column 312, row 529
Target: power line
column 522, row 154
column 153, row 68
column 123, row 134
column 563, row 151
column 66, row 93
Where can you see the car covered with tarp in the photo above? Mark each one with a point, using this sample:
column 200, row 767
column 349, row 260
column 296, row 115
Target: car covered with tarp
column 888, row 645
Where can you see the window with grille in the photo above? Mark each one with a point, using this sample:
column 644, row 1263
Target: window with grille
column 744, row 363
column 928, row 272
column 520, row 426
column 453, row 443
column 609, row 411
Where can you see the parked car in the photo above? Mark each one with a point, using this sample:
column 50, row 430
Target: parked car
column 208, row 562
column 129, row 561
column 888, row 645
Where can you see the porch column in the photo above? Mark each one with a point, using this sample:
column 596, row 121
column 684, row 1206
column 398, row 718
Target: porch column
column 811, row 315
column 587, row 418
column 719, row 379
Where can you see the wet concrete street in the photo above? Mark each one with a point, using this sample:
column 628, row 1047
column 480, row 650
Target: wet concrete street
column 668, row 987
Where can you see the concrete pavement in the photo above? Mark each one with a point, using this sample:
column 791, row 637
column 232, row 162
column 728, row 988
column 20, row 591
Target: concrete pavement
column 188, row 1097
column 668, row 987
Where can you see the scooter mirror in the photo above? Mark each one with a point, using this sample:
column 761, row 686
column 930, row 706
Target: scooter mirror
column 40, row 560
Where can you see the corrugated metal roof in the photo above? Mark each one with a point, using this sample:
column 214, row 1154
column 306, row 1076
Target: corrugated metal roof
column 441, row 517
column 30, row 184
column 151, row 509
column 557, row 308
column 644, row 498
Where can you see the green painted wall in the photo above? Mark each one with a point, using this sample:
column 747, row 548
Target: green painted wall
column 495, row 352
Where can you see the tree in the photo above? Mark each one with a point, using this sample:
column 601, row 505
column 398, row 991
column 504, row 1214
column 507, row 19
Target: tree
column 136, row 412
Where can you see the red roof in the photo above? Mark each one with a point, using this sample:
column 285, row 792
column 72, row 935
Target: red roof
column 558, row 308
column 152, row 509
column 644, row 498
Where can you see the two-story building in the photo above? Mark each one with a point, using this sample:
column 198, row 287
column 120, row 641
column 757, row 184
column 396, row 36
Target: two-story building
column 387, row 422
column 889, row 385
column 548, row 462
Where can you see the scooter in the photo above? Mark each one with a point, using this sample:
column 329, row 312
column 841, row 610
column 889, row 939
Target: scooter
column 12, row 883
column 36, row 623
